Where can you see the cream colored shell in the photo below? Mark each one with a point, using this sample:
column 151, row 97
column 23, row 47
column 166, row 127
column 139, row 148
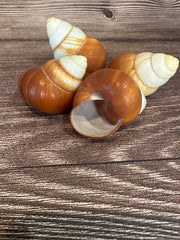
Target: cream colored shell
column 143, row 105
column 67, row 72
column 156, row 69
column 87, row 121
column 64, row 39
column 75, row 66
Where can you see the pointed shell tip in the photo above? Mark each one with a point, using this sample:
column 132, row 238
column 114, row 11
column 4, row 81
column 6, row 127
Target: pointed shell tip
column 172, row 62
column 50, row 19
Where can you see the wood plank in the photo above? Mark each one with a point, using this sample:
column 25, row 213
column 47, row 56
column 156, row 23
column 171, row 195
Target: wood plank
column 56, row 184
column 45, row 139
column 132, row 200
column 30, row 53
column 142, row 19
column 31, row 138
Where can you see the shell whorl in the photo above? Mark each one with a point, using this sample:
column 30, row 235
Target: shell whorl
column 88, row 121
column 150, row 71
column 66, row 72
column 156, row 69
column 64, row 38
column 51, row 87
column 105, row 100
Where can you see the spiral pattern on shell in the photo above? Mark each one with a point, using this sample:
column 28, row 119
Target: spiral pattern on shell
column 104, row 101
column 51, row 88
column 149, row 70
column 66, row 40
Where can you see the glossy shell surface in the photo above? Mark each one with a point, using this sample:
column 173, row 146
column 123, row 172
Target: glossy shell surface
column 114, row 99
column 51, row 88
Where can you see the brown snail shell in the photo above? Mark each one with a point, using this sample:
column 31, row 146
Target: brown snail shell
column 51, row 87
column 66, row 39
column 104, row 101
column 149, row 70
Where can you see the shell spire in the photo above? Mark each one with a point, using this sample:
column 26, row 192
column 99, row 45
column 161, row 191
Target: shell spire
column 149, row 70
column 155, row 69
column 67, row 40
column 64, row 38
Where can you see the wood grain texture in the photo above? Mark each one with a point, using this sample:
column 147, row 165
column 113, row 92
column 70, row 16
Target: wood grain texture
column 132, row 200
column 56, row 184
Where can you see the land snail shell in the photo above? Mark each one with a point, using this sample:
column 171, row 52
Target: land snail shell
column 66, row 39
column 149, row 70
column 51, row 87
column 104, row 101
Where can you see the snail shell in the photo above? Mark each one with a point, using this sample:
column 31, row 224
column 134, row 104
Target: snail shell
column 66, row 39
column 104, row 101
column 149, row 70
column 51, row 88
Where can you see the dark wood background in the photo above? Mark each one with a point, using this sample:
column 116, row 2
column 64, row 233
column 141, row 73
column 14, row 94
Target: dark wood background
column 56, row 184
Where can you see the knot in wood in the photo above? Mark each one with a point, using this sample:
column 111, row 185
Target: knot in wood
column 108, row 13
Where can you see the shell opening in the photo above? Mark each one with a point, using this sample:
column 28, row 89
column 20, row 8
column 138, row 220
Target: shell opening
column 86, row 120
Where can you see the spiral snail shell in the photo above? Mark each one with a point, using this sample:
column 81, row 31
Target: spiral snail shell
column 104, row 101
column 51, row 87
column 149, row 70
column 66, row 39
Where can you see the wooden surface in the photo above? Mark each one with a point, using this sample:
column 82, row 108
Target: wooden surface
column 56, row 184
